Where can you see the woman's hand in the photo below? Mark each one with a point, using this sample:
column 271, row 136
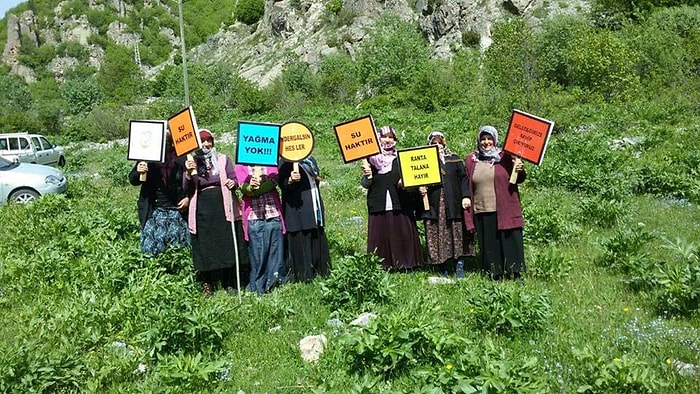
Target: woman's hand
column 423, row 190
column 190, row 164
column 142, row 167
column 466, row 203
column 294, row 176
column 366, row 171
column 255, row 182
column 184, row 203
column 230, row 184
column 517, row 164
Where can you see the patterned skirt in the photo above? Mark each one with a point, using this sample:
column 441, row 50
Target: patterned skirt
column 447, row 238
column 164, row 227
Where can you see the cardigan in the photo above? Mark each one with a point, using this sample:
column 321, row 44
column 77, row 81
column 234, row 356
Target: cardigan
column 377, row 187
column 297, row 200
column 509, row 214
column 455, row 186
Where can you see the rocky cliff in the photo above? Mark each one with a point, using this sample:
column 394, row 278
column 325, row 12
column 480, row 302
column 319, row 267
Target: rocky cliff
column 290, row 30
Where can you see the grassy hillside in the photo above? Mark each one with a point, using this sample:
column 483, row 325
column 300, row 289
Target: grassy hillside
column 611, row 296
column 610, row 301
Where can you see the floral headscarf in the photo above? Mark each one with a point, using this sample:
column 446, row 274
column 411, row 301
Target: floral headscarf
column 383, row 161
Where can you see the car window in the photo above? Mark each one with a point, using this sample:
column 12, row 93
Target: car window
column 3, row 143
column 46, row 143
column 14, row 143
column 37, row 144
column 23, row 143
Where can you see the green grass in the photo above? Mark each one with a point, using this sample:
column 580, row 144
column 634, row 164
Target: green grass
column 73, row 283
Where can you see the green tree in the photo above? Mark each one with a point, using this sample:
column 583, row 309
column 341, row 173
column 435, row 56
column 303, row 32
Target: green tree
column 392, row 55
column 119, row 77
column 337, row 78
column 602, row 63
column 249, row 11
column 511, row 61
column 81, row 95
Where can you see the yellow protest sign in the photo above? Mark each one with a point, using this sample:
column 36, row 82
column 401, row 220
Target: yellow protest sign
column 296, row 141
column 420, row 166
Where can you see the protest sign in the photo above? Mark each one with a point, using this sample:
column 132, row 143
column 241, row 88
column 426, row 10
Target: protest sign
column 527, row 138
column 420, row 167
column 357, row 139
column 146, row 142
column 297, row 142
column 258, row 144
column 184, row 131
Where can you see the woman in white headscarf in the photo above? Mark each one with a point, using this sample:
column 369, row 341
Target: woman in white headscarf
column 446, row 237
column 495, row 212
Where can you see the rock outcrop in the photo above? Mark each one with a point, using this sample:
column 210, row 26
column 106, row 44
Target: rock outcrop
column 289, row 31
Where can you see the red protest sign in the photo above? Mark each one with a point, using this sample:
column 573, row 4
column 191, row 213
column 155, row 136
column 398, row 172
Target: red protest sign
column 528, row 136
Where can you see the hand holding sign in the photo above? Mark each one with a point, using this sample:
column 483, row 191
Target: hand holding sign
column 146, row 144
column 527, row 139
column 358, row 140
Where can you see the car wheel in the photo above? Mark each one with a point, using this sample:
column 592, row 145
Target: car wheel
column 61, row 161
column 23, row 196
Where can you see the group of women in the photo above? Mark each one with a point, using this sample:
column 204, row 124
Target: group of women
column 476, row 196
column 277, row 238
column 265, row 239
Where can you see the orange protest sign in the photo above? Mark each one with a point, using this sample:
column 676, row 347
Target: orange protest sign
column 528, row 136
column 183, row 128
column 357, row 139
column 296, row 141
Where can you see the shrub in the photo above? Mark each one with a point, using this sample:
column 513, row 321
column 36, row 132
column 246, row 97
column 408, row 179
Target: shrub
column 508, row 310
column 678, row 281
column 603, row 212
column 624, row 250
column 356, row 284
column 599, row 374
column 392, row 55
column 249, row 11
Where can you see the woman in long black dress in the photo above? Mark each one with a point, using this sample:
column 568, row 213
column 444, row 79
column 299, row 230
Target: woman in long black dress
column 305, row 242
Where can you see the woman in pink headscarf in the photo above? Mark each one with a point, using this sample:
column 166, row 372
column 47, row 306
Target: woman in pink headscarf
column 391, row 228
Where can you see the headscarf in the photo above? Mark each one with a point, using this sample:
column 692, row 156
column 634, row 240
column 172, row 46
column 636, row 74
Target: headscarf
column 208, row 164
column 493, row 155
column 439, row 137
column 310, row 167
column 383, row 161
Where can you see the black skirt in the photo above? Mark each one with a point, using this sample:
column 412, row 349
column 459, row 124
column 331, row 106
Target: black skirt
column 212, row 246
column 307, row 254
column 501, row 251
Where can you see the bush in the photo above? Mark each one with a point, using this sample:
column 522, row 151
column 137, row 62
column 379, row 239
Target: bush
column 508, row 310
column 392, row 55
column 249, row 11
column 356, row 284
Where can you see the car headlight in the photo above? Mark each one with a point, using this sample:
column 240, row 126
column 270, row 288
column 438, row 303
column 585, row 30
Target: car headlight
column 53, row 180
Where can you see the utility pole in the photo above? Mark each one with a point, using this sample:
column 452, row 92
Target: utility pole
column 184, row 55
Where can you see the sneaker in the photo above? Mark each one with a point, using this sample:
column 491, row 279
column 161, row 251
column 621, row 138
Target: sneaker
column 460, row 270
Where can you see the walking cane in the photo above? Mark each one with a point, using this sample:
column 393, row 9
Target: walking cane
column 235, row 247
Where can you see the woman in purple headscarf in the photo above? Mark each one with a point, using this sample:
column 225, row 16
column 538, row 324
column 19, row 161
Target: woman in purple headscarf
column 496, row 213
column 391, row 229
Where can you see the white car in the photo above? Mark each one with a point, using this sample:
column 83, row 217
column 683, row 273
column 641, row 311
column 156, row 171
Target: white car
column 31, row 148
column 24, row 182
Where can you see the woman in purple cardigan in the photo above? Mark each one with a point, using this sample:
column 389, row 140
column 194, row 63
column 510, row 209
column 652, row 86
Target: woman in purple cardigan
column 496, row 213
